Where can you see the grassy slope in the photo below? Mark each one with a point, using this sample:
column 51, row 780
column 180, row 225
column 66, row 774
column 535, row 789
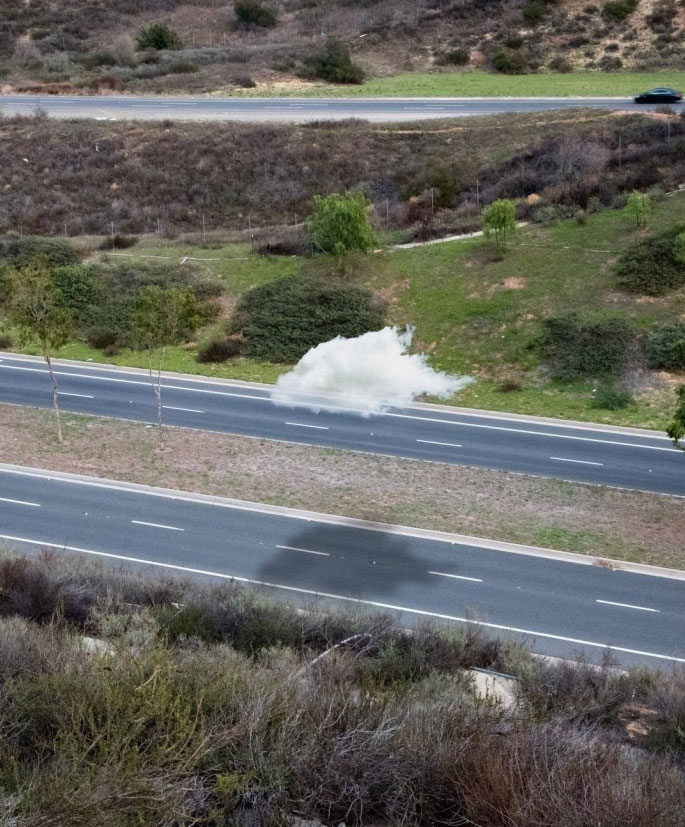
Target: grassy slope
column 469, row 317
column 482, row 84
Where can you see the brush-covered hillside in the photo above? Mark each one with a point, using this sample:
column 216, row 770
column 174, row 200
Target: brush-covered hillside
column 217, row 45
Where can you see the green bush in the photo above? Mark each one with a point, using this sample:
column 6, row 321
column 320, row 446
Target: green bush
column 80, row 289
column 456, row 57
column 534, row 12
column 340, row 224
column 509, row 63
column 334, row 64
column 578, row 347
column 611, row 398
column 652, row 266
column 666, row 347
column 252, row 13
column 281, row 321
column 158, row 36
column 220, row 349
column 619, row 9
column 18, row 252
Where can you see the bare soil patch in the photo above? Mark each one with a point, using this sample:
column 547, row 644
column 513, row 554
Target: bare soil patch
column 572, row 517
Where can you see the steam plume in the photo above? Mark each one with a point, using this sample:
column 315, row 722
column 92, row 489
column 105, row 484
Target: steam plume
column 368, row 374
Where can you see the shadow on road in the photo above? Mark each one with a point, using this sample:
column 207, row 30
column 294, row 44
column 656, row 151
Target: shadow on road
column 365, row 564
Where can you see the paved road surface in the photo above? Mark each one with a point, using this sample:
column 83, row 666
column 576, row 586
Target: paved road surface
column 561, row 608
column 627, row 458
column 299, row 110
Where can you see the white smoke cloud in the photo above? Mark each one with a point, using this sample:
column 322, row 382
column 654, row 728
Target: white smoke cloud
column 367, row 374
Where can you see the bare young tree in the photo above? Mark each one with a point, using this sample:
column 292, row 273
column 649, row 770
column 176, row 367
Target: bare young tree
column 161, row 318
column 35, row 307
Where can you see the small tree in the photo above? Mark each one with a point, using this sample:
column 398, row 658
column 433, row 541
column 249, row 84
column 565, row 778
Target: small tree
column 158, row 36
column 676, row 430
column 499, row 220
column 161, row 317
column 334, row 63
column 639, row 207
column 35, row 306
column 340, row 224
column 253, row 13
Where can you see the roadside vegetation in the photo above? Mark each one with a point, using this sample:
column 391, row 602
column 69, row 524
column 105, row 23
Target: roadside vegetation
column 166, row 701
column 287, row 46
column 584, row 519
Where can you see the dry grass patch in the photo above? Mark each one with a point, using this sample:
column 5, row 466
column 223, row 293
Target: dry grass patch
column 572, row 517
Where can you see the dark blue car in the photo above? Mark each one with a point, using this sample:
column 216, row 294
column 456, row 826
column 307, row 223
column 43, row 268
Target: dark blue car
column 661, row 95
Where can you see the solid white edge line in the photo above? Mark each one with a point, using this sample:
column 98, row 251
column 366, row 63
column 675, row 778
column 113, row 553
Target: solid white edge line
column 628, row 606
column 80, row 395
column 445, row 444
column 344, row 598
column 577, row 461
column 330, row 407
column 456, row 576
column 157, row 525
column 305, row 550
column 304, row 425
column 19, row 502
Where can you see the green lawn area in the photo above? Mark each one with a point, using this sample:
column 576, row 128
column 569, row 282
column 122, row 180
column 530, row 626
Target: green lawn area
column 474, row 84
column 473, row 314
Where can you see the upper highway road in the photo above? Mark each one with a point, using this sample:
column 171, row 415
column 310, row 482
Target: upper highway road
column 298, row 110
column 562, row 604
column 627, row 458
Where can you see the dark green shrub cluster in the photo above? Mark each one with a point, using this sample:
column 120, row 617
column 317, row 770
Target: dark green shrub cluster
column 253, row 13
column 220, row 349
column 455, row 57
column 652, row 266
column 281, row 321
column 611, row 398
column 619, row 9
column 18, row 252
column 577, row 347
column 158, row 36
column 334, row 64
column 509, row 62
column 666, row 347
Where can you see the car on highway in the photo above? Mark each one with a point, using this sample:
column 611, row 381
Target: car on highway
column 660, row 95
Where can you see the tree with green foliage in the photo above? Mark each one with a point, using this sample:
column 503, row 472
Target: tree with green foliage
column 499, row 220
column 639, row 207
column 253, row 13
column 158, row 36
column 334, row 63
column 676, row 430
column 162, row 317
column 35, row 306
column 340, row 224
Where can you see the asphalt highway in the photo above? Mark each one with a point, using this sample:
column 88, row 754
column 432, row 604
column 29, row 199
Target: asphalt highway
column 298, row 110
column 626, row 458
column 560, row 608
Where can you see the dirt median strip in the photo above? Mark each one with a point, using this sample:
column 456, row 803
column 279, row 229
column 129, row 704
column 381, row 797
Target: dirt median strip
column 635, row 526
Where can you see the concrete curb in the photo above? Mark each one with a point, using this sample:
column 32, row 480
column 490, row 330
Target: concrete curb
column 333, row 519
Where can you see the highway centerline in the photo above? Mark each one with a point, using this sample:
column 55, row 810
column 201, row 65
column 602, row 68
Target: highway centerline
column 304, row 425
column 445, row 444
column 456, row 576
column 186, row 410
column 19, row 502
column 80, row 395
column 577, row 461
column 157, row 525
column 628, row 606
column 305, row 550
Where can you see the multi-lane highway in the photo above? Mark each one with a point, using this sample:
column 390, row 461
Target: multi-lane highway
column 561, row 608
column 298, row 110
column 627, row 458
